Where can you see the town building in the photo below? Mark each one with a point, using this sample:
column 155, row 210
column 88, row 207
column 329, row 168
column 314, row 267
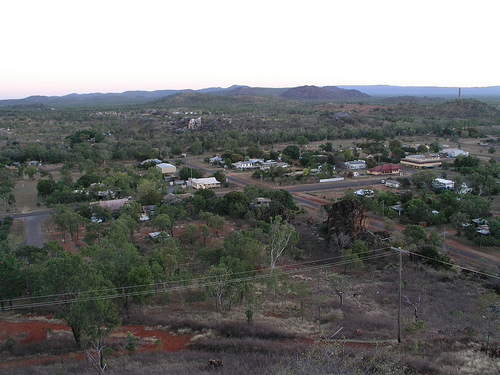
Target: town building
column 421, row 162
column 454, row 152
column 384, row 169
column 248, row 164
column 441, row 183
column 271, row 163
column 205, row 183
column 355, row 164
column 166, row 168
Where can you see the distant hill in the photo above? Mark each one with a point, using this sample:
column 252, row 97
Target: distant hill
column 433, row 91
column 341, row 93
column 211, row 101
column 352, row 92
column 321, row 93
column 247, row 90
column 466, row 108
column 82, row 100
column 456, row 109
column 398, row 100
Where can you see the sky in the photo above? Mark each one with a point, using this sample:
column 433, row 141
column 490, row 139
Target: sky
column 58, row 47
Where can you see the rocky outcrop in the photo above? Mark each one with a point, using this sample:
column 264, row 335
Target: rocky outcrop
column 346, row 222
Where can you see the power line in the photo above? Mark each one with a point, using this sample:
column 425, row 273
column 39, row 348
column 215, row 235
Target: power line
column 68, row 298
column 206, row 281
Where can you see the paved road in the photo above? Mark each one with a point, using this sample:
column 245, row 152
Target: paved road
column 349, row 183
column 33, row 226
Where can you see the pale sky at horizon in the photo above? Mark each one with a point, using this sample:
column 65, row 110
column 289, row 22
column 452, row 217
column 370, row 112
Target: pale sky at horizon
column 58, row 47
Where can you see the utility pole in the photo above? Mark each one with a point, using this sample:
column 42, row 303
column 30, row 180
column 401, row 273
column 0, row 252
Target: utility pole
column 400, row 252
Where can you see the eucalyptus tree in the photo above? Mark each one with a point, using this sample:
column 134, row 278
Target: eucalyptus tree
column 73, row 285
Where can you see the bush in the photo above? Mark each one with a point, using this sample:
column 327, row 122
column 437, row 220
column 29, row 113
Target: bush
column 414, row 326
column 193, row 325
column 237, row 346
column 243, row 330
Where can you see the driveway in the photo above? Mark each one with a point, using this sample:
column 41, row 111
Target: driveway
column 33, row 226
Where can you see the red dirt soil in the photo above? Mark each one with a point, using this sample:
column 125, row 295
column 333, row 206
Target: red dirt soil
column 26, row 330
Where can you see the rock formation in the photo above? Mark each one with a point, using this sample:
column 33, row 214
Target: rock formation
column 346, row 221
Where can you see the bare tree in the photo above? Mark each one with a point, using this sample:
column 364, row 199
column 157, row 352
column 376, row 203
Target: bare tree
column 415, row 304
column 339, row 286
column 282, row 236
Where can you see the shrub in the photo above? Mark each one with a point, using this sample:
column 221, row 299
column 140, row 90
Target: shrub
column 243, row 330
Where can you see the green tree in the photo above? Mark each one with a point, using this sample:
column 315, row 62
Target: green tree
column 302, row 141
column 254, row 152
column 163, row 223
column 415, row 234
column 351, row 256
column 204, row 232
column 140, row 279
column 222, row 281
column 424, row 179
column 190, row 234
column 93, row 233
column 245, row 246
column 474, row 206
column 11, row 278
column 432, row 256
column 97, row 315
column 236, row 158
column 187, row 172
column 168, row 257
column 70, row 280
column 416, row 210
column 30, row 171
column 220, row 176
column 147, row 192
column 69, row 220
column 114, row 259
column 292, row 151
column 45, row 188
column 234, row 203
column 217, row 223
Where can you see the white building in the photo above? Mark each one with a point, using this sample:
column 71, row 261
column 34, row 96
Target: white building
column 166, row 168
column 248, row 164
column 355, row 164
column 205, row 183
column 441, row 183
column 454, row 152
column 269, row 164
column 216, row 159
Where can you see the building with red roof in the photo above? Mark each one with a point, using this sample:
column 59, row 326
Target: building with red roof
column 384, row 169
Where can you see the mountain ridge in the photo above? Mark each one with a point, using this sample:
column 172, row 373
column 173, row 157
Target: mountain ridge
column 330, row 92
